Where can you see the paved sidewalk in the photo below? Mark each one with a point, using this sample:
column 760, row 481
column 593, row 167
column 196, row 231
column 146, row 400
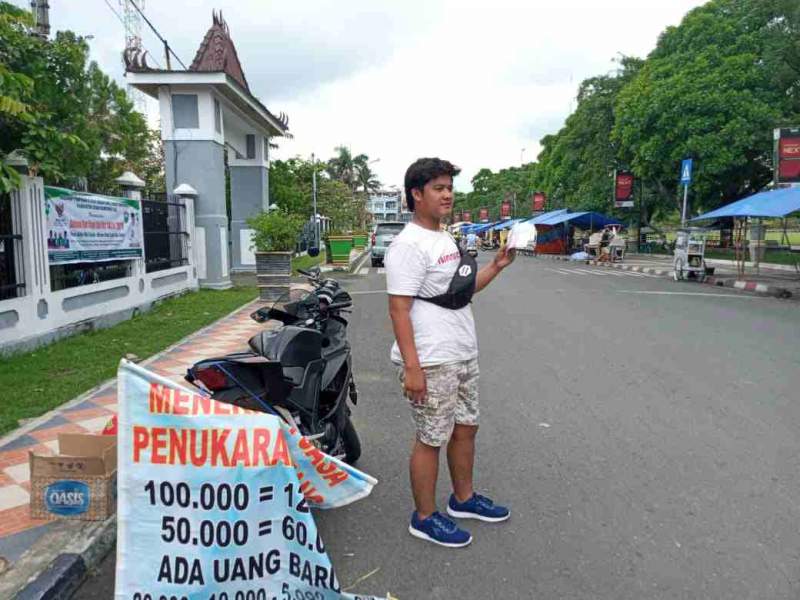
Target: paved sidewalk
column 775, row 280
column 21, row 536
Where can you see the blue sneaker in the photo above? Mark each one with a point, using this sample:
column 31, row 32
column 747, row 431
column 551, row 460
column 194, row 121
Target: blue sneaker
column 440, row 530
column 478, row 507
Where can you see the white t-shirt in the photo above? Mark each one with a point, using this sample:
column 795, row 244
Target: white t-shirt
column 421, row 262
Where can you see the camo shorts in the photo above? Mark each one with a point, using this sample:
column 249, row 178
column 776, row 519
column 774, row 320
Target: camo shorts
column 452, row 398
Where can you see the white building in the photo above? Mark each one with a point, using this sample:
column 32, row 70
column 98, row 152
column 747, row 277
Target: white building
column 385, row 205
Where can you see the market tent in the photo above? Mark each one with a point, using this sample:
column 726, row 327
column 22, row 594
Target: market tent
column 476, row 228
column 507, row 224
column 582, row 220
column 546, row 215
column 772, row 204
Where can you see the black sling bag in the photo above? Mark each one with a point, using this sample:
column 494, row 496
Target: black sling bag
column 462, row 286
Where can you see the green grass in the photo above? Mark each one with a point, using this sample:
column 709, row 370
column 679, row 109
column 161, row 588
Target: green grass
column 775, row 257
column 38, row 381
column 306, row 262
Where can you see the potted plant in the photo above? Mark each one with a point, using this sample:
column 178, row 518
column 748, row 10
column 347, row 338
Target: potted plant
column 274, row 238
column 360, row 239
column 339, row 244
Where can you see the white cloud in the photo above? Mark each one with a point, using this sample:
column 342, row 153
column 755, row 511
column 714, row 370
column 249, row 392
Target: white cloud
column 471, row 82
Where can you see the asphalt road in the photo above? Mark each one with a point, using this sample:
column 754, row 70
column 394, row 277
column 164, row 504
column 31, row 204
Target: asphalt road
column 645, row 433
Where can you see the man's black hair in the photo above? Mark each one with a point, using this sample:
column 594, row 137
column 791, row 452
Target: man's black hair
column 424, row 170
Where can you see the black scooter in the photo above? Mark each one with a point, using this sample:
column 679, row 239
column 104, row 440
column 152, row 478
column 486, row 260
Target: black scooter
column 300, row 370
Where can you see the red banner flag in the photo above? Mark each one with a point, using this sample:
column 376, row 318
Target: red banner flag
column 483, row 215
column 505, row 210
column 788, row 156
column 539, row 200
column 623, row 193
column 467, row 216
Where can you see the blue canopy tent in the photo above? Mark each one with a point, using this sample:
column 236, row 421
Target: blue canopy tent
column 583, row 220
column 506, row 224
column 772, row 204
column 552, row 231
column 547, row 215
column 476, row 228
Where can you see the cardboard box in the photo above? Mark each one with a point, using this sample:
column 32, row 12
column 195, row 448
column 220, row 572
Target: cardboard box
column 79, row 483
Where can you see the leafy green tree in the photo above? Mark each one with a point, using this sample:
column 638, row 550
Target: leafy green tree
column 713, row 89
column 67, row 116
column 576, row 164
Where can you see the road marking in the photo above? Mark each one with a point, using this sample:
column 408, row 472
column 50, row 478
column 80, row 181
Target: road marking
column 381, row 271
column 662, row 293
column 364, row 271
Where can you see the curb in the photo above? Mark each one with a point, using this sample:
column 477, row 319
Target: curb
column 738, row 284
column 62, row 576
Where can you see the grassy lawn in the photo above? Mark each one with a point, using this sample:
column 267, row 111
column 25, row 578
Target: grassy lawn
column 775, row 257
column 306, row 262
column 38, row 381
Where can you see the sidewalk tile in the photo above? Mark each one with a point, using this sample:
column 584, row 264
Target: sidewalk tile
column 54, row 422
column 19, row 473
column 47, row 436
column 22, row 441
column 12, row 496
column 95, row 425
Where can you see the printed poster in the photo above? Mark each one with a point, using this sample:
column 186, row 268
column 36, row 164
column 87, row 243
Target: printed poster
column 214, row 500
column 85, row 227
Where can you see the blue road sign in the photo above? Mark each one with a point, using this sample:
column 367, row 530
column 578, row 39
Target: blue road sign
column 686, row 171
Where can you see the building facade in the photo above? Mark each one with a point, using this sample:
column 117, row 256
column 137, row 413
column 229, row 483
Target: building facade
column 385, row 205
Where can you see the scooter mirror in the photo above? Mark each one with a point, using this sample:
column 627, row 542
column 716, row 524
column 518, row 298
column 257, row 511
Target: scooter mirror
column 313, row 251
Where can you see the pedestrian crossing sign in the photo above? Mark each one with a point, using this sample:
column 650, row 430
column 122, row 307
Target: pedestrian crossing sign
column 686, row 171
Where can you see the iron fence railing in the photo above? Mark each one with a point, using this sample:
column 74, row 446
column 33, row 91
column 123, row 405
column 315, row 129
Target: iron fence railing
column 12, row 272
column 166, row 239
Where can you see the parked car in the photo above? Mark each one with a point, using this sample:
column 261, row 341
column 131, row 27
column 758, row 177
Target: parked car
column 381, row 238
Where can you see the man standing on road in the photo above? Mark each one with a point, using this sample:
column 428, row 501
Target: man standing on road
column 430, row 284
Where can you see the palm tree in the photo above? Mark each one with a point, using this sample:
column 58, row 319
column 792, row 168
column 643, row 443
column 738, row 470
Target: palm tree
column 342, row 167
column 365, row 177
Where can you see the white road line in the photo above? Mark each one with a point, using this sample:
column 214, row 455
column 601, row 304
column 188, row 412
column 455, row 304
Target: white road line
column 568, row 272
column 364, row 271
column 381, row 271
column 598, row 273
column 661, row 293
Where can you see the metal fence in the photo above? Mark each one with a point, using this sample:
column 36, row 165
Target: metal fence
column 12, row 273
column 166, row 239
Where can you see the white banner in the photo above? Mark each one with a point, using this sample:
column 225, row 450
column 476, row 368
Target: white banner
column 214, row 500
column 85, row 227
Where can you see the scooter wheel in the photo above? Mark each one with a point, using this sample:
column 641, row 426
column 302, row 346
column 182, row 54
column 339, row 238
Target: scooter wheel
column 352, row 445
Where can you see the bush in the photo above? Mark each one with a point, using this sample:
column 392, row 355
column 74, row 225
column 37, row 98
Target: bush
column 275, row 231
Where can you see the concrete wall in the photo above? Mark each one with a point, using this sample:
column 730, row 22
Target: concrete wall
column 201, row 164
column 41, row 316
column 249, row 197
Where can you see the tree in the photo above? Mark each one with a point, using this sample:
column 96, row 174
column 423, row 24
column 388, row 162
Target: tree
column 76, row 122
column 576, row 164
column 364, row 176
column 713, row 89
column 342, row 167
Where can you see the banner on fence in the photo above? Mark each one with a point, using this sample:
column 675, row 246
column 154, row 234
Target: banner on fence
column 214, row 500
column 85, row 227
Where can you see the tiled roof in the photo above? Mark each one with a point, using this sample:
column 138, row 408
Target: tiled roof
column 217, row 52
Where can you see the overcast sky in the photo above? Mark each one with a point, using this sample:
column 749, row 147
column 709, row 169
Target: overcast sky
column 471, row 82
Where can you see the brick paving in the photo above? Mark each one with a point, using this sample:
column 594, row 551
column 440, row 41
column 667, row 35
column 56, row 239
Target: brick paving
column 89, row 414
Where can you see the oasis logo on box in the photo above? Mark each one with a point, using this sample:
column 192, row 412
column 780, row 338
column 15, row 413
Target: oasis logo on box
column 67, row 497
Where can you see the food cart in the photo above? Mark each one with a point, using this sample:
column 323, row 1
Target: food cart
column 688, row 261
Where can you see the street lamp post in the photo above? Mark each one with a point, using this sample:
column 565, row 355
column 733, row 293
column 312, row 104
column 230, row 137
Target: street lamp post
column 522, row 157
column 314, row 199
